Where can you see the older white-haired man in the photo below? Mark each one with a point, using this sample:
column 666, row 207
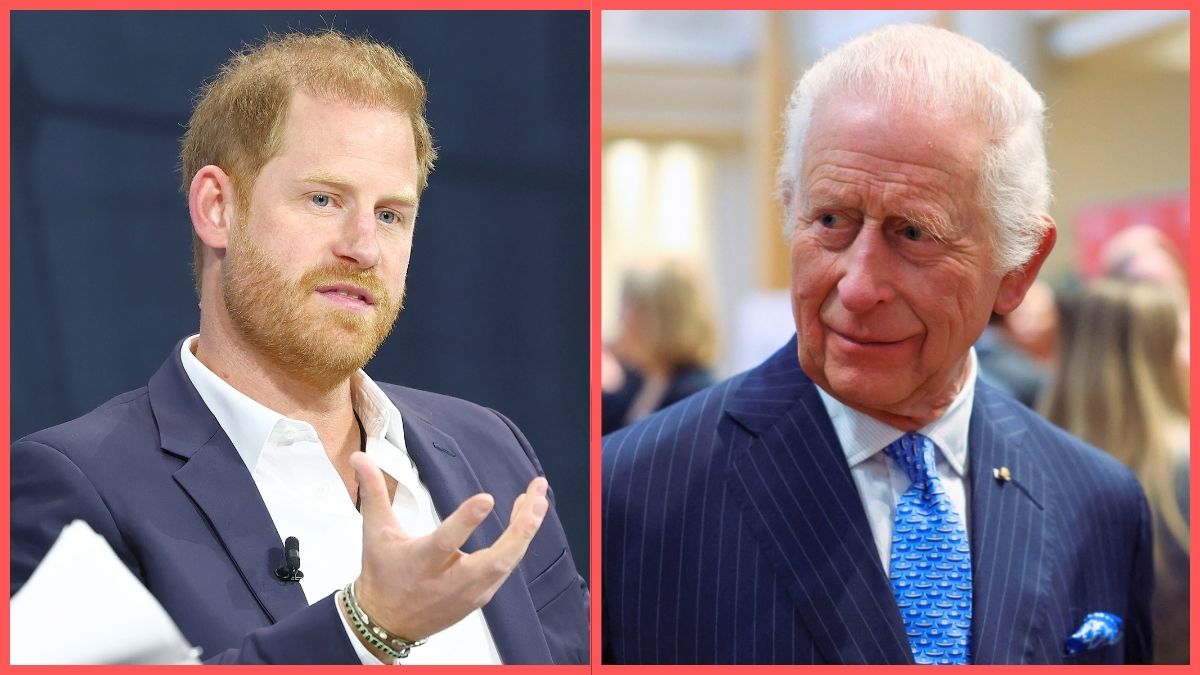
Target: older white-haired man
column 860, row 497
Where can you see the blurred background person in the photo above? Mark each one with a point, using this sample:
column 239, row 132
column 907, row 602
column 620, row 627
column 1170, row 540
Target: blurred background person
column 665, row 343
column 1142, row 252
column 1119, row 387
column 1017, row 349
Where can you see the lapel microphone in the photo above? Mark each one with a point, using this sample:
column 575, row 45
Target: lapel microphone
column 291, row 561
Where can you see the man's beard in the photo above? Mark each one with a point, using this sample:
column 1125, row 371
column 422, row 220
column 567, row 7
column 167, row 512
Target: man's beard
column 318, row 343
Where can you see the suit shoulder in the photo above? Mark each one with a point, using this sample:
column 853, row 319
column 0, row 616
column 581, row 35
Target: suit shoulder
column 437, row 405
column 692, row 422
column 1072, row 461
column 90, row 433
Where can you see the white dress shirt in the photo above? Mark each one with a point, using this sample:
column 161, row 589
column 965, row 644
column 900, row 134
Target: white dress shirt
column 880, row 480
column 307, row 498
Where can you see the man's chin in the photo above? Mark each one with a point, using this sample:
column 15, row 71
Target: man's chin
column 327, row 358
column 862, row 390
column 329, row 368
column 352, row 349
column 335, row 325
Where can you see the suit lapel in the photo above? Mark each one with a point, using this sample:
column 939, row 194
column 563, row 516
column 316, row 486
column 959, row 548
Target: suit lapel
column 1009, row 533
column 790, row 478
column 450, row 477
column 216, row 479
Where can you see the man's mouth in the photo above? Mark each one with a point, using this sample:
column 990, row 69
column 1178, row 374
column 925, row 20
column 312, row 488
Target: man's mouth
column 345, row 295
column 865, row 340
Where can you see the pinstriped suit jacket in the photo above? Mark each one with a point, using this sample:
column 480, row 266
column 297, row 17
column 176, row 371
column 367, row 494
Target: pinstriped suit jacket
column 733, row 533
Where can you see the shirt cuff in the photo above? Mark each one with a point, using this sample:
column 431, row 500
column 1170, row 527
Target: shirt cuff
column 364, row 654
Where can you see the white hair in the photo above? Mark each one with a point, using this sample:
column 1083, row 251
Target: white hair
column 940, row 70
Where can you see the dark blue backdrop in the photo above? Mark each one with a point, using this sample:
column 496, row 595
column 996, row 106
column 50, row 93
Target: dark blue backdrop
column 497, row 305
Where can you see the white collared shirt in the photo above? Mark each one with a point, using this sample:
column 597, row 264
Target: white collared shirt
column 880, row 480
column 307, row 498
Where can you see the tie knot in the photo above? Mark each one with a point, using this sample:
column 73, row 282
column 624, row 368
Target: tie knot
column 914, row 453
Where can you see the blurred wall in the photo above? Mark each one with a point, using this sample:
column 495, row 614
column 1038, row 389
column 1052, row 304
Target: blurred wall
column 1119, row 128
column 497, row 305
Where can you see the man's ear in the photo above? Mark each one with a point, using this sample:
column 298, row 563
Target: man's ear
column 1016, row 283
column 212, row 203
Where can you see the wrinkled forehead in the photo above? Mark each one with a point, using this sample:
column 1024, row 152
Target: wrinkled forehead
column 910, row 125
column 898, row 138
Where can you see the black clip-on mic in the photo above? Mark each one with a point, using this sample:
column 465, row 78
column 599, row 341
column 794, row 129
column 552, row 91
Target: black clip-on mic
column 291, row 561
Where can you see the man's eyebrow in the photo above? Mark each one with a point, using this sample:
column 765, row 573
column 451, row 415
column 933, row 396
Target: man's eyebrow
column 819, row 202
column 343, row 183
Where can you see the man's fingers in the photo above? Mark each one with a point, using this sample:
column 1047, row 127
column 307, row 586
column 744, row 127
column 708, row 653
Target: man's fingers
column 516, row 507
column 372, row 491
column 454, row 530
column 536, row 494
column 528, row 512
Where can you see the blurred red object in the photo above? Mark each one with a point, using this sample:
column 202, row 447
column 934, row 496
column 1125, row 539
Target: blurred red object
column 1099, row 223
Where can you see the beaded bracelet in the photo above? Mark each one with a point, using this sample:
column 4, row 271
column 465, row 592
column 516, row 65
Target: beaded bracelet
column 394, row 647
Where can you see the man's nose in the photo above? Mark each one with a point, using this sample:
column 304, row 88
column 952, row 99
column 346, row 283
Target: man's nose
column 867, row 268
column 359, row 240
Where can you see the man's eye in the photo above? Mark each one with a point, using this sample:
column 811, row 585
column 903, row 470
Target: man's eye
column 321, row 199
column 388, row 217
column 913, row 232
column 829, row 220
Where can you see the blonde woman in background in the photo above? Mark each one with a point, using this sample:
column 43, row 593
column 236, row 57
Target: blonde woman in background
column 1120, row 386
column 665, row 344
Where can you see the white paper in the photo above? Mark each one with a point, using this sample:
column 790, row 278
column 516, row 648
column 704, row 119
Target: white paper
column 83, row 605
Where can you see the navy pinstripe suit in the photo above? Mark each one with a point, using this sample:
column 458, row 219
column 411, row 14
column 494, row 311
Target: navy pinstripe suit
column 733, row 533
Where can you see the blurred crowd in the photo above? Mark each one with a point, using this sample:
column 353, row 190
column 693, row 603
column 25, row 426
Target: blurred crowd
column 665, row 343
column 1119, row 380
column 1105, row 358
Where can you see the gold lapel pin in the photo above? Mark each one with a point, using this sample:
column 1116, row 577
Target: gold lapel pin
column 1002, row 474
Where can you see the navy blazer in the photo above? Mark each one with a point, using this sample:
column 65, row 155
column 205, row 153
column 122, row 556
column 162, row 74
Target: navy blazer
column 734, row 533
column 153, row 472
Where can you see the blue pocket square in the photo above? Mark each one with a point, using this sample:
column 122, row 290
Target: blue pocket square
column 1099, row 629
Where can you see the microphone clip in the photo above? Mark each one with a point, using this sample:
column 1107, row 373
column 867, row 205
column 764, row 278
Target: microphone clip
column 285, row 574
column 290, row 570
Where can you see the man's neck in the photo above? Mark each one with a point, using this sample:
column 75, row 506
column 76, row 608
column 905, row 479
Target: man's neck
column 329, row 409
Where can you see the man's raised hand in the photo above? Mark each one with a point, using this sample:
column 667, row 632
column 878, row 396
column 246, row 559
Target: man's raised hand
column 417, row 586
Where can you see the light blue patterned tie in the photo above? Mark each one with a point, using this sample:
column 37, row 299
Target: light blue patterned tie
column 931, row 560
